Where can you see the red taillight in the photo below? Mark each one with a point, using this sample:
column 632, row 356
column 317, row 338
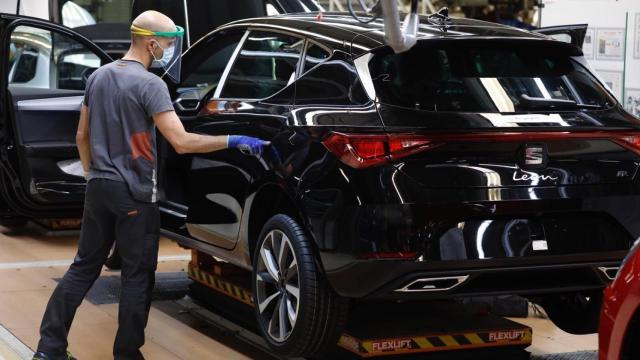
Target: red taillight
column 360, row 151
column 631, row 142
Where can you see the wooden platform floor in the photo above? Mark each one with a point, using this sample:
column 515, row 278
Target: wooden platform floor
column 30, row 263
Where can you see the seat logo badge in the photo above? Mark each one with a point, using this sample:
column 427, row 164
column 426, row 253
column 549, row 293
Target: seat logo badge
column 532, row 156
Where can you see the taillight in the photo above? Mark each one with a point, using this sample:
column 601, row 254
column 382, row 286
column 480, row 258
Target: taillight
column 361, row 151
column 631, row 142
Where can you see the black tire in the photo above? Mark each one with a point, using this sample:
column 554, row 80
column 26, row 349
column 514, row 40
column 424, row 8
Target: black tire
column 319, row 313
column 575, row 313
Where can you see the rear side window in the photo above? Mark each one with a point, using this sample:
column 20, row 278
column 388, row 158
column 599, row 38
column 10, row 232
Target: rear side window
column 314, row 55
column 491, row 77
column 266, row 64
column 333, row 82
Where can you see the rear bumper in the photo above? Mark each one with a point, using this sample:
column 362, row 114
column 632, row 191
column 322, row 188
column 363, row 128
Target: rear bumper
column 386, row 280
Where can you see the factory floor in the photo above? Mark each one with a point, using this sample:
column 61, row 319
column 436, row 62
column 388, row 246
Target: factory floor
column 31, row 262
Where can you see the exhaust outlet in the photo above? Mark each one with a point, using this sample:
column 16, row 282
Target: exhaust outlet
column 434, row 284
column 609, row 272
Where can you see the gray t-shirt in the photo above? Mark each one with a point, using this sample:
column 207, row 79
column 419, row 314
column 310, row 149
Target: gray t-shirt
column 122, row 98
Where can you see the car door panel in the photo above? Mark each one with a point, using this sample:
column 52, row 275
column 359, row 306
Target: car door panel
column 43, row 96
column 45, row 132
column 264, row 70
column 217, row 185
column 219, row 182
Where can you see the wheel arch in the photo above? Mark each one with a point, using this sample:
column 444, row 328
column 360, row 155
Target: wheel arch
column 271, row 199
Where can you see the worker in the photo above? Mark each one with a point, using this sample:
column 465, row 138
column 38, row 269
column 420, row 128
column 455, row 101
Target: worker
column 123, row 104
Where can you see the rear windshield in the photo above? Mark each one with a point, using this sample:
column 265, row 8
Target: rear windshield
column 490, row 77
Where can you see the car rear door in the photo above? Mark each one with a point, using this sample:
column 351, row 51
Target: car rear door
column 252, row 96
column 44, row 72
column 573, row 34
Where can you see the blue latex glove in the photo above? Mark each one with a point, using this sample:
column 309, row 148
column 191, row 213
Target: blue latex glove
column 247, row 145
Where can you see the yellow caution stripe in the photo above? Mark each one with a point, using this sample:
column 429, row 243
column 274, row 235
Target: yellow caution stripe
column 431, row 343
column 219, row 284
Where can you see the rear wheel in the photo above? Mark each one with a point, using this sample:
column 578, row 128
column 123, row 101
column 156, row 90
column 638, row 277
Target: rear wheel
column 298, row 314
column 575, row 313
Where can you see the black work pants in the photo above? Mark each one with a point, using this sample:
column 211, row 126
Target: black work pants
column 109, row 213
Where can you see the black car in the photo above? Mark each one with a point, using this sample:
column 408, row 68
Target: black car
column 486, row 160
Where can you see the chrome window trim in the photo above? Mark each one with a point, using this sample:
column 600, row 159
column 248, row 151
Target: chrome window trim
column 304, row 56
column 362, row 68
column 186, row 23
column 227, row 69
column 292, row 31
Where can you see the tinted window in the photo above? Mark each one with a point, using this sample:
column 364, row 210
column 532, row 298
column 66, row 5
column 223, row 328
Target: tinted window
column 209, row 59
column 266, row 64
column 44, row 59
column 488, row 78
column 333, row 82
column 314, row 56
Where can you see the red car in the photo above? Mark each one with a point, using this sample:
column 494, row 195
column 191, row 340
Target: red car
column 620, row 317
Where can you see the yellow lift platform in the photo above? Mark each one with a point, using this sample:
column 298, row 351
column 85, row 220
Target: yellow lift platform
column 384, row 329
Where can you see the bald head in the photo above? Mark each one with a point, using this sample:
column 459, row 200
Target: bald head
column 154, row 21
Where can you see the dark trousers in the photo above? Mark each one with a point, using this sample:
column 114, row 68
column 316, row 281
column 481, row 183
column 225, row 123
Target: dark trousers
column 109, row 213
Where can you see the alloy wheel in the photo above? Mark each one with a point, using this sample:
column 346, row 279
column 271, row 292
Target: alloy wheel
column 277, row 285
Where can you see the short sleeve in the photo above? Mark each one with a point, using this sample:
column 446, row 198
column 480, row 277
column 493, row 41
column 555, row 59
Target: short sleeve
column 155, row 97
column 87, row 90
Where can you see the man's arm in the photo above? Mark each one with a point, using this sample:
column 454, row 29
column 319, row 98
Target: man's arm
column 82, row 139
column 185, row 142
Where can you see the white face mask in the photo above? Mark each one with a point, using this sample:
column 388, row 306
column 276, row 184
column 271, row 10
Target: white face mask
column 167, row 55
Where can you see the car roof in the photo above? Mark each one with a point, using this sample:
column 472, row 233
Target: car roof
column 344, row 28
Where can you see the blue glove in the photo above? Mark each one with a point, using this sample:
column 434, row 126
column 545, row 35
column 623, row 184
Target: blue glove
column 247, row 145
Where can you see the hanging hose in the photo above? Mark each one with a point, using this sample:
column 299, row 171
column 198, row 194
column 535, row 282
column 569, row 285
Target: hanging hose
column 363, row 6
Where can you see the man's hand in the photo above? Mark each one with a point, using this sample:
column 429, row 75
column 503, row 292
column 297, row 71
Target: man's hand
column 247, row 145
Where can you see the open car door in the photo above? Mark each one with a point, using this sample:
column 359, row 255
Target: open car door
column 44, row 72
column 572, row 34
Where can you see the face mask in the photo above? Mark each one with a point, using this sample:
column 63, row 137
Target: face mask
column 167, row 55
